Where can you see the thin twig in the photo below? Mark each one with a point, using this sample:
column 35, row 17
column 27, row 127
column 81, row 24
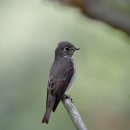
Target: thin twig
column 74, row 114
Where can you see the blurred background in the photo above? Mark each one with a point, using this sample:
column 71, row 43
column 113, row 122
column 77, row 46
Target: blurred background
column 29, row 33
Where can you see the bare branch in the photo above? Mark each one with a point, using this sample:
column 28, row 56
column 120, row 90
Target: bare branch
column 74, row 115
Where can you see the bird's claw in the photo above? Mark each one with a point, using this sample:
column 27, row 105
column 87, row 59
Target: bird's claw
column 67, row 97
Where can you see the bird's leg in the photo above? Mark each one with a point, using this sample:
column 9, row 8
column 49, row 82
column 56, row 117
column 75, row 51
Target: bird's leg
column 67, row 97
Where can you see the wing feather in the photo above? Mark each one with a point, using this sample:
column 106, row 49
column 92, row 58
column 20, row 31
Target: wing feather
column 60, row 77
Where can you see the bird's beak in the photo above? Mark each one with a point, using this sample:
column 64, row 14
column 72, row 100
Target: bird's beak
column 77, row 49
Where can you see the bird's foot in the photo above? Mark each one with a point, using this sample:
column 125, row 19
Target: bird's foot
column 67, row 97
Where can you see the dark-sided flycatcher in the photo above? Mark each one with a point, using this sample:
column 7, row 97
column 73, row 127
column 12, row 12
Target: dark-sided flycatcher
column 61, row 76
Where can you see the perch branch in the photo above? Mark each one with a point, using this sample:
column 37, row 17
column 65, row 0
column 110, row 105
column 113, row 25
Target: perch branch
column 74, row 114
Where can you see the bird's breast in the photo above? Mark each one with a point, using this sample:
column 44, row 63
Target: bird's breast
column 71, row 84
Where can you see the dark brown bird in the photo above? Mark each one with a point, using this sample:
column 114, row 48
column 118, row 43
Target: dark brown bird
column 62, row 75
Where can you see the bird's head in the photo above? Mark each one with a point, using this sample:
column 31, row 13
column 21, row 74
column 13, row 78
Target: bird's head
column 65, row 48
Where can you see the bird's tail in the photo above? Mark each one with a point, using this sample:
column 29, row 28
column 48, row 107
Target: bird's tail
column 49, row 107
column 46, row 116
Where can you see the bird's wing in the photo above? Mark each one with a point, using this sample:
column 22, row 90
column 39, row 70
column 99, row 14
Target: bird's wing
column 60, row 77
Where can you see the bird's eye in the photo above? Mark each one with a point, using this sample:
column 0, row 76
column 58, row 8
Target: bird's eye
column 67, row 49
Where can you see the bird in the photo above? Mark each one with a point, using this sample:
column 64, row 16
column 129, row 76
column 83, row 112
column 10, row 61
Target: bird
column 61, row 77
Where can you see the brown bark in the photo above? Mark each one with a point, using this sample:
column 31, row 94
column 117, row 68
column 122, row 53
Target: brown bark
column 112, row 12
